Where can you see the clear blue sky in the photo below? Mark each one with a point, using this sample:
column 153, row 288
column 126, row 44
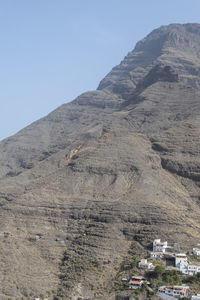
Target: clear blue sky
column 53, row 50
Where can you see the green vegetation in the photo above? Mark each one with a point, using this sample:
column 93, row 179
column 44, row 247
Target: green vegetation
column 129, row 264
column 193, row 282
column 6, row 234
column 48, row 293
column 193, row 258
column 157, row 262
column 161, row 276
column 151, row 293
column 192, row 279
column 171, row 277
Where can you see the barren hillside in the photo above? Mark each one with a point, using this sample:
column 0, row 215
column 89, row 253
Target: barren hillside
column 107, row 172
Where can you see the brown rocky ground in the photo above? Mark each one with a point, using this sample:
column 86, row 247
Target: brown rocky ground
column 116, row 166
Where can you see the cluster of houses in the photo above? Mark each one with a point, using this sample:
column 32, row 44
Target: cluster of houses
column 181, row 264
column 181, row 261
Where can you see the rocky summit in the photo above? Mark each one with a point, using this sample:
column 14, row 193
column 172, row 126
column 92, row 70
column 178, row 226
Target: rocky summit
column 101, row 177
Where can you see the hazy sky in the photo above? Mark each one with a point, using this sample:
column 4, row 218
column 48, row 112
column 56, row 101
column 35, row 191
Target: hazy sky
column 53, row 50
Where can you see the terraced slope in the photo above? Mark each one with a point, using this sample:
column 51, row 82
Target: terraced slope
column 109, row 171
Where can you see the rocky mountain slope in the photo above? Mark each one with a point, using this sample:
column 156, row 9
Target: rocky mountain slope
column 105, row 173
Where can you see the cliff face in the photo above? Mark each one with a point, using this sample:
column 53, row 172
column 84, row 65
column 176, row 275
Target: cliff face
column 113, row 169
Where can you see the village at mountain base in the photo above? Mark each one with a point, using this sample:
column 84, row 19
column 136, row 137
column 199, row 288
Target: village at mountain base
column 178, row 262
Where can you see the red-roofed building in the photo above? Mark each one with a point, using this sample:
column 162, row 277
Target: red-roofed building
column 136, row 282
column 174, row 290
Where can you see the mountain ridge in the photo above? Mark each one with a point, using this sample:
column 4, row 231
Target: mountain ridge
column 161, row 45
column 105, row 174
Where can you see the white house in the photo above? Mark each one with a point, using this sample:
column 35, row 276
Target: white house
column 181, row 263
column 174, row 290
column 183, row 266
column 159, row 246
column 196, row 251
column 156, row 255
column 196, row 297
column 193, row 269
column 144, row 264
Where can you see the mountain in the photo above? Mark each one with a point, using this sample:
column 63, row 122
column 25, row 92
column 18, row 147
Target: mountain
column 99, row 178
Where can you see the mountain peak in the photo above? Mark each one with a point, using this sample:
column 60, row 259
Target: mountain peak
column 175, row 45
column 175, row 35
column 86, row 189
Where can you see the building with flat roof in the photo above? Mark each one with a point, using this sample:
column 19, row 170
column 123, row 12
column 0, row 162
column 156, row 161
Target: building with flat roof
column 196, row 251
column 181, row 263
column 179, row 291
column 196, row 297
column 144, row 264
column 159, row 246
